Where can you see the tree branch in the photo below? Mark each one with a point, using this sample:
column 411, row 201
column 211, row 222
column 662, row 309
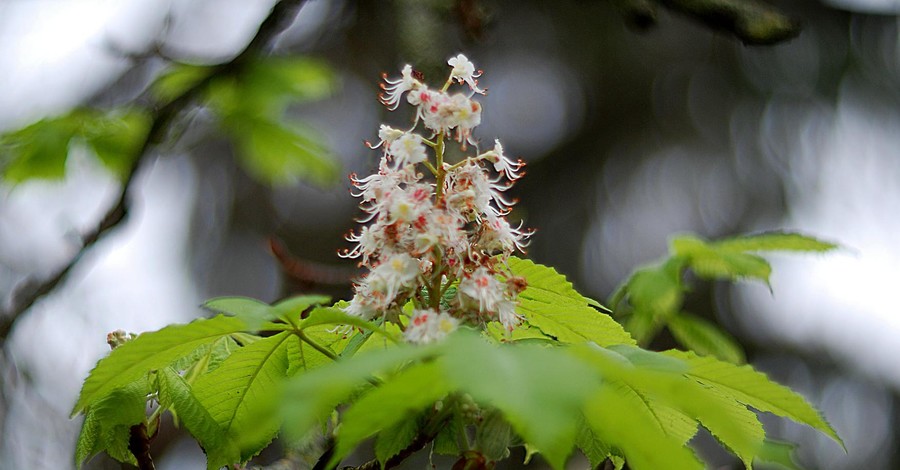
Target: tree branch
column 24, row 298
column 751, row 21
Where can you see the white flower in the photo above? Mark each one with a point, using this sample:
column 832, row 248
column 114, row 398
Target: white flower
column 483, row 288
column 502, row 164
column 464, row 71
column 386, row 135
column 394, row 275
column 394, row 89
column 408, row 204
column 506, row 314
column 466, row 116
column 428, row 326
column 498, row 235
column 407, row 149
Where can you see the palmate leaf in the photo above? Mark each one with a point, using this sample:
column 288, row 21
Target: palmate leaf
column 176, row 394
column 241, row 391
column 107, row 423
column 705, row 338
column 551, row 304
column 657, row 291
column 619, row 417
column 753, row 388
column 394, row 439
column 523, row 383
column 774, row 241
column 151, row 351
column 398, row 399
column 280, row 154
column 675, row 404
column 256, row 313
column 312, row 396
column 711, row 263
column 41, row 149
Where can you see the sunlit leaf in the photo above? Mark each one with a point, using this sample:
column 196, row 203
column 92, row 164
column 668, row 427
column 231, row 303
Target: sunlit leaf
column 778, row 453
column 312, row 396
column 550, row 304
column 519, row 381
column 774, row 241
column 241, row 391
column 710, row 262
column 107, row 423
column 151, row 351
column 754, row 389
column 250, row 311
column 400, row 398
column 620, row 418
column 176, row 394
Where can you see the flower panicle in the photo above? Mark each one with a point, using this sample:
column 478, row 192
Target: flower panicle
column 439, row 243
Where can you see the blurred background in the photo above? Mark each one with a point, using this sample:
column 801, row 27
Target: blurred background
column 630, row 137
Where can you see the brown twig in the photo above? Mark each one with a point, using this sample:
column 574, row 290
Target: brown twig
column 161, row 119
column 139, row 445
column 751, row 21
column 309, row 273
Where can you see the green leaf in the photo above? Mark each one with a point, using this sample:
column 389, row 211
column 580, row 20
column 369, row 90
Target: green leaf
column 116, row 138
column 520, row 380
column 256, row 313
column 394, row 439
column 445, row 443
column 551, row 304
column 754, row 389
column 712, row 263
column 303, row 357
column 494, row 436
column 336, row 316
column 774, row 241
column 271, row 79
column 39, row 150
column 293, row 307
column 778, row 453
column 240, row 396
column 151, row 351
column 523, row 332
column 107, row 423
column 546, row 279
column 705, row 338
column 206, row 357
column 176, row 394
column 728, row 420
column 251, row 311
column 657, row 290
column 312, row 396
column 591, row 446
column 400, row 398
column 280, row 155
column 619, row 417
column 178, row 79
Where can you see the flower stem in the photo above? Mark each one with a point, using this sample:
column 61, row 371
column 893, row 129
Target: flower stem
column 439, row 166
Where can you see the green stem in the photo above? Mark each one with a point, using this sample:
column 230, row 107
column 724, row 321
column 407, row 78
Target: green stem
column 318, row 347
column 439, row 167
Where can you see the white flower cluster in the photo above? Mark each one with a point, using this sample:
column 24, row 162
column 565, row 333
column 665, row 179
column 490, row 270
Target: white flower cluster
column 439, row 242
